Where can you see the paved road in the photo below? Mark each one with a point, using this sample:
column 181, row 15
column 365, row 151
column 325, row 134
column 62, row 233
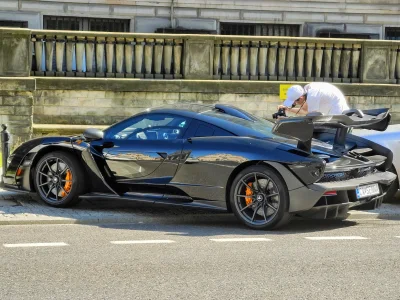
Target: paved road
column 210, row 259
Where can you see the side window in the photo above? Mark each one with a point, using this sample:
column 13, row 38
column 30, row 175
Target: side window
column 149, row 127
column 204, row 129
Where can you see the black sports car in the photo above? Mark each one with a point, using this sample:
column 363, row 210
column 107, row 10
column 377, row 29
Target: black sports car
column 217, row 157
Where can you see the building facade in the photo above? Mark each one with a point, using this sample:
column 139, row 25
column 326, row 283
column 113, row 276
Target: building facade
column 366, row 19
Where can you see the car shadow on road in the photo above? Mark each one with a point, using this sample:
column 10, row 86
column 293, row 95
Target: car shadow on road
column 197, row 222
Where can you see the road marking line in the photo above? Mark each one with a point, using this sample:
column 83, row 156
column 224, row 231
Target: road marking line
column 321, row 238
column 35, row 245
column 241, row 240
column 398, row 237
column 142, row 242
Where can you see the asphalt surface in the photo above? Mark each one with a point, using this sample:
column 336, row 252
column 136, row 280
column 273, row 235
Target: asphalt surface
column 201, row 259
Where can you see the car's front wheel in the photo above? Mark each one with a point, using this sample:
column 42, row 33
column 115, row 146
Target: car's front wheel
column 59, row 179
column 259, row 198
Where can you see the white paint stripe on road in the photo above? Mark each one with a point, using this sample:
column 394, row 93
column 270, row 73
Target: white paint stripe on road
column 398, row 237
column 322, row 238
column 241, row 240
column 142, row 242
column 35, row 245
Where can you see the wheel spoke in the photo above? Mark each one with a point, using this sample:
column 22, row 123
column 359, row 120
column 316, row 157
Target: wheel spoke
column 242, row 196
column 66, row 193
column 66, row 180
column 246, row 207
column 253, row 190
column 265, row 213
column 48, row 192
column 266, row 186
column 272, row 195
column 57, row 166
column 63, row 171
column 45, row 183
column 256, row 181
column 270, row 206
column 41, row 173
column 56, row 192
column 255, row 212
column 49, row 167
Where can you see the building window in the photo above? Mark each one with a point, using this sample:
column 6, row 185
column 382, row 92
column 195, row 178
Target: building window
column 392, row 33
column 85, row 24
column 20, row 24
column 259, row 29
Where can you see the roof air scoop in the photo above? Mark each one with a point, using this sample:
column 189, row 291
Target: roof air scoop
column 234, row 111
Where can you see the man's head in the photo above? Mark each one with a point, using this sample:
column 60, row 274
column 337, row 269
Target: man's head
column 295, row 96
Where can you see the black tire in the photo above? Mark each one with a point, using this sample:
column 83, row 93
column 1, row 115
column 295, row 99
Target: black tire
column 392, row 190
column 52, row 178
column 268, row 192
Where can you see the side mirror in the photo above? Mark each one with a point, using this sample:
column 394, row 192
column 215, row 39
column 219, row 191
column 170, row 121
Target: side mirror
column 93, row 134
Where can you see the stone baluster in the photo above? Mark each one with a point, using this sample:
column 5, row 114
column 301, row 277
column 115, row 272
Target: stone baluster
column 216, row 59
column 355, row 60
column 327, row 62
column 80, row 52
column 69, row 55
column 319, row 50
column 272, row 53
column 177, row 58
column 345, row 62
column 392, row 64
column 110, row 42
column 309, row 61
column 282, row 60
column 291, row 53
column 148, row 58
column 301, row 49
column 139, row 47
column 119, row 57
column 100, row 56
column 129, row 57
column 254, row 49
column 262, row 60
column 50, row 42
column 244, row 57
column 158, row 53
column 226, row 46
column 167, row 57
column 60, row 49
column 39, row 55
column 337, row 51
column 90, row 42
column 235, row 60
column 398, row 65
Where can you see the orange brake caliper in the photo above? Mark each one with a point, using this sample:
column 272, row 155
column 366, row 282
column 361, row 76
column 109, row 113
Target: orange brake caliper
column 249, row 192
column 68, row 183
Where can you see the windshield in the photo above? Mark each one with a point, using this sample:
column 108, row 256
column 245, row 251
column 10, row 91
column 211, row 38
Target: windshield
column 262, row 127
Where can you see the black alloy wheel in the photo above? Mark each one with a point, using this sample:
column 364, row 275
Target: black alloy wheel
column 59, row 179
column 259, row 198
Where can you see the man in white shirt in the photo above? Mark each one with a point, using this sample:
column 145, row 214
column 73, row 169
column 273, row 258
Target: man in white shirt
column 320, row 97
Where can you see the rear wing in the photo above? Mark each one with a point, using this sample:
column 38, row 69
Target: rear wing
column 302, row 128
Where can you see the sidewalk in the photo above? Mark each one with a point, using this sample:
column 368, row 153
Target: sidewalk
column 18, row 208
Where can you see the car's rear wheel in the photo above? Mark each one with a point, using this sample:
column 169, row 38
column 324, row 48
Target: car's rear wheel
column 259, row 198
column 59, row 179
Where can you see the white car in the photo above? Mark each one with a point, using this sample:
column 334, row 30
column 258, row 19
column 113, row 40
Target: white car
column 391, row 140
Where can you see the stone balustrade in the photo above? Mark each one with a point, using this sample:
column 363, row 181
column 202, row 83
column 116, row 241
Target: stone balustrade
column 271, row 59
column 89, row 54
column 211, row 57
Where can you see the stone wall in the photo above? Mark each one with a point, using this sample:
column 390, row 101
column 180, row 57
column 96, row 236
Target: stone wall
column 16, row 107
column 105, row 101
column 58, row 103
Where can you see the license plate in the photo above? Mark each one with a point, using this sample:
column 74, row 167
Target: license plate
column 367, row 190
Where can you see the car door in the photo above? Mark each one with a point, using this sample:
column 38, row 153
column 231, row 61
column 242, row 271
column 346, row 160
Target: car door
column 145, row 148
